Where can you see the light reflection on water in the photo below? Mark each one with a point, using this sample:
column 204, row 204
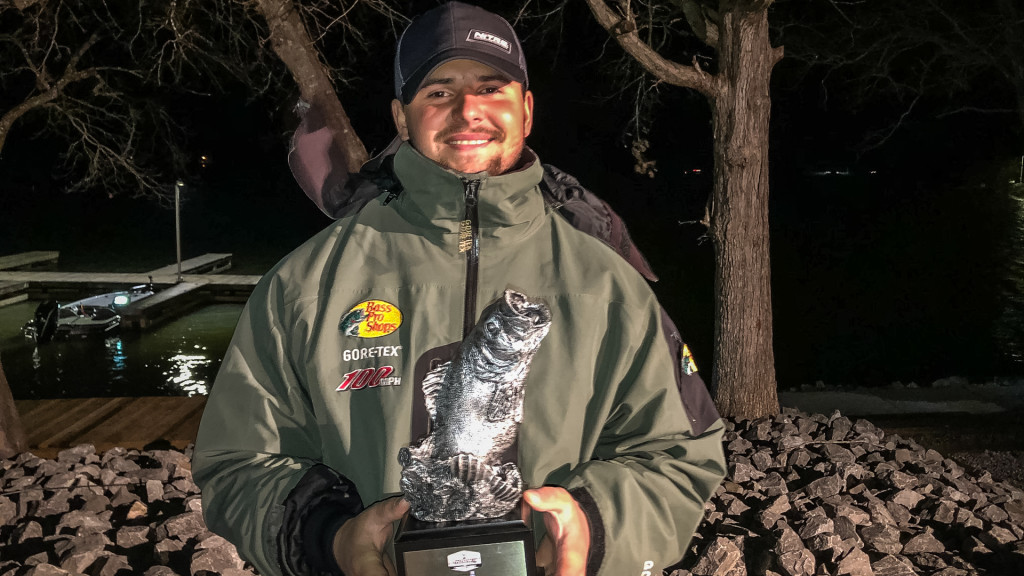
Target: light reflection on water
column 186, row 366
column 180, row 358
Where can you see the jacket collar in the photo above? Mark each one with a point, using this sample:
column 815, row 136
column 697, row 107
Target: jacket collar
column 510, row 205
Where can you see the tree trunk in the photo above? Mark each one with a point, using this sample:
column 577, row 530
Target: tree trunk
column 12, row 435
column 292, row 44
column 743, row 380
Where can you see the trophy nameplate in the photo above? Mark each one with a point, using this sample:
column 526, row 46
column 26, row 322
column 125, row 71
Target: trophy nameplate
column 491, row 547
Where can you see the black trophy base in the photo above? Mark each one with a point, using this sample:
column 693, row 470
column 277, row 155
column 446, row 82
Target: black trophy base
column 495, row 547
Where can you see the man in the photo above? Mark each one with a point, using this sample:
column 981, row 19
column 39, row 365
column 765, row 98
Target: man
column 318, row 389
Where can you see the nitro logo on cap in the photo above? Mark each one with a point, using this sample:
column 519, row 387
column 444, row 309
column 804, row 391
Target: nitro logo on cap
column 487, row 37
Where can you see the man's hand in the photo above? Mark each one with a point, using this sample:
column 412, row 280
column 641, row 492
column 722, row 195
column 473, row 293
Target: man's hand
column 564, row 550
column 359, row 544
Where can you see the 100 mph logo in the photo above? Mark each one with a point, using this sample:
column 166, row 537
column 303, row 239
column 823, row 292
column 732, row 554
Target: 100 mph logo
column 369, row 378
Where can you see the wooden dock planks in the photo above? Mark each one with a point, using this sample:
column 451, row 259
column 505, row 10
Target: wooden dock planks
column 12, row 292
column 55, row 424
column 40, row 284
column 34, row 259
column 211, row 263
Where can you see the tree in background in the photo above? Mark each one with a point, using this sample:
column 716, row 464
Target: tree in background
column 1009, row 328
column 943, row 56
column 97, row 75
column 86, row 73
column 735, row 35
column 298, row 32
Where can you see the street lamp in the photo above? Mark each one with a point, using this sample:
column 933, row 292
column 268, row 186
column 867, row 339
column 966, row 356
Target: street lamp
column 177, row 222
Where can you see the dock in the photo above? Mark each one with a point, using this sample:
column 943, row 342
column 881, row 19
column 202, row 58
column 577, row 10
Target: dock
column 65, row 285
column 149, row 421
column 29, row 260
column 205, row 264
column 199, row 283
column 12, row 292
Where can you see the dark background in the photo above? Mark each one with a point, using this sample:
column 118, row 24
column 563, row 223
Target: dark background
column 895, row 270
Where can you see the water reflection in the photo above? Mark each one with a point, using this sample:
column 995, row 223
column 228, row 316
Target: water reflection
column 183, row 373
column 180, row 358
column 115, row 352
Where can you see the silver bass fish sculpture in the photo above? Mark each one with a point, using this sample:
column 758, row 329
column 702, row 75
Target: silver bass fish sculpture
column 475, row 403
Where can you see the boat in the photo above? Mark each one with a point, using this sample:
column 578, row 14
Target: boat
column 92, row 316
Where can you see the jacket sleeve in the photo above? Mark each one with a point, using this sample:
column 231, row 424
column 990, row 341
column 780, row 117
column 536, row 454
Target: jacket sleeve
column 317, row 160
column 258, row 436
column 645, row 487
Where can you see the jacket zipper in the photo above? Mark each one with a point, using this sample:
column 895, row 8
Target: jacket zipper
column 469, row 242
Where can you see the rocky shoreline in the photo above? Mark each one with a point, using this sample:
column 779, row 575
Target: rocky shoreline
column 807, row 495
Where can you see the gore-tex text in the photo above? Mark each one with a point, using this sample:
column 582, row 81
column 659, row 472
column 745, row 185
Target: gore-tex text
column 371, row 352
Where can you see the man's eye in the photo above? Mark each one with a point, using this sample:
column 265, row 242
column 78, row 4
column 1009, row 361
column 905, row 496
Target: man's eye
column 490, row 89
column 437, row 94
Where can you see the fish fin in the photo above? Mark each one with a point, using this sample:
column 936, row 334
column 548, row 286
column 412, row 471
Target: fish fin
column 507, row 484
column 431, row 386
column 469, row 468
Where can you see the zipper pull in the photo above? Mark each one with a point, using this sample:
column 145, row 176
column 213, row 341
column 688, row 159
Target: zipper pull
column 472, row 188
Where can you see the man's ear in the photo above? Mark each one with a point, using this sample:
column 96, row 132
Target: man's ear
column 398, row 115
column 527, row 113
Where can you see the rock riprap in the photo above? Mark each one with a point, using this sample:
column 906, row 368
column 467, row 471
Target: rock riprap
column 807, row 495
column 119, row 513
column 811, row 495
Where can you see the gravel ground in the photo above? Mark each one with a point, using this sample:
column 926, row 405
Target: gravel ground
column 1005, row 466
column 991, row 442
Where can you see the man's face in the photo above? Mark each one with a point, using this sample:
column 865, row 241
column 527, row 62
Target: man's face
column 467, row 116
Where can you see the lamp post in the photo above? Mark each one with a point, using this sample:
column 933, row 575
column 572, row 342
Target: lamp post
column 177, row 222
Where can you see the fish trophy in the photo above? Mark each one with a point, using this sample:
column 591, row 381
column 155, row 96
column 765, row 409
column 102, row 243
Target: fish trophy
column 465, row 503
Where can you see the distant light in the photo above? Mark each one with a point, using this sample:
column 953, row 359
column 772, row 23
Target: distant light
column 873, row 172
column 121, row 300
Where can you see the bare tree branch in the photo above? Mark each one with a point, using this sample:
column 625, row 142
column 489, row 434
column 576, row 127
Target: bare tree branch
column 623, row 28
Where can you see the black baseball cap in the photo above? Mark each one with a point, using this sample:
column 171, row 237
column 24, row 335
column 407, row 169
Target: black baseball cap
column 450, row 32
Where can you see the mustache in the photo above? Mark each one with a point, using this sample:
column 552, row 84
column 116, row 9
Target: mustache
column 447, row 133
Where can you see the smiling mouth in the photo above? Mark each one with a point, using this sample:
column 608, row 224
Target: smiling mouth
column 469, row 141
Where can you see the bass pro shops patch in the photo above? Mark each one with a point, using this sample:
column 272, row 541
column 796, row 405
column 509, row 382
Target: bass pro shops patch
column 371, row 319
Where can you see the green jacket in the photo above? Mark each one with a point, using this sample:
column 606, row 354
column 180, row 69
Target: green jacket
column 321, row 369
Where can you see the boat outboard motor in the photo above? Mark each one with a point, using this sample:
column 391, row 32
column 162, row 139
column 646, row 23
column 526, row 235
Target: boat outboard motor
column 46, row 321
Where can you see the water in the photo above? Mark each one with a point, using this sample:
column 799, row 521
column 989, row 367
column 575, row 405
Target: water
column 257, row 216
column 180, row 358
